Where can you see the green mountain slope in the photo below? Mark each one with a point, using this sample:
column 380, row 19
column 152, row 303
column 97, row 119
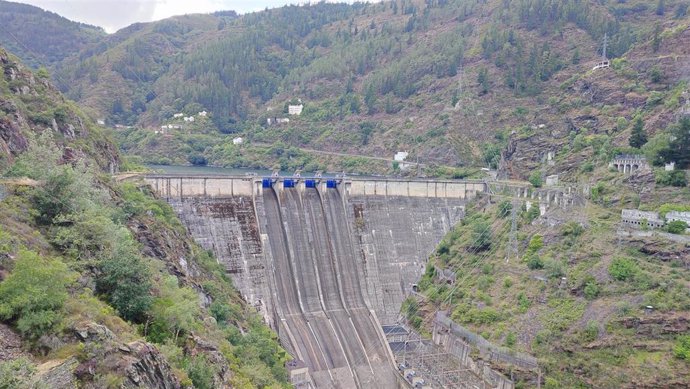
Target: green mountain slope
column 43, row 38
column 447, row 81
column 100, row 285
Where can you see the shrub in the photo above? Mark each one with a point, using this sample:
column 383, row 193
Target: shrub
column 675, row 178
column 591, row 331
column 126, row 282
column 655, row 74
column 554, row 268
column 536, row 243
column 572, row 229
column 591, row 289
column 482, row 316
column 481, row 235
column 535, row 262
column 511, row 339
column 16, row 373
column 201, row 372
column 175, row 309
column 682, row 348
column 34, row 294
column 504, row 209
column 535, row 179
column 533, row 213
column 623, row 269
column 677, row 227
column 523, row 302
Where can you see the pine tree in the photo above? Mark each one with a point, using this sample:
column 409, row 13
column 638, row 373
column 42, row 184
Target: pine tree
column 638, row 136
column 656, row 39
column 678, row 150
column 483, row 80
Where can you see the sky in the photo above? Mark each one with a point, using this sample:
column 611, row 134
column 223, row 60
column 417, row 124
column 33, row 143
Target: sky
column 113, row 15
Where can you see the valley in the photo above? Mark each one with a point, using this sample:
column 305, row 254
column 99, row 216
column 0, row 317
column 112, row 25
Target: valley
column 427, row 194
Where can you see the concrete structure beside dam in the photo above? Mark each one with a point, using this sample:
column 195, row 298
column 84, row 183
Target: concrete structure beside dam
column 327, row 261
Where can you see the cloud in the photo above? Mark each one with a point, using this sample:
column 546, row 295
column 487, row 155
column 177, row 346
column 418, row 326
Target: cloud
column 113, row 15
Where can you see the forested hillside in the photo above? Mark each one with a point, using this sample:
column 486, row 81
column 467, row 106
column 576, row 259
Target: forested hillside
column 100, row 284
column 448, row 81
column 43, row 38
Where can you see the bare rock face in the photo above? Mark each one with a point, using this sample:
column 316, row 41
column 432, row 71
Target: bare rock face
column 17, row 121
column 145, row 367
column 659, row 323
column 197, row 345
column 58, row 374
column 138, row 363
column 10, row 344
column 642, row 181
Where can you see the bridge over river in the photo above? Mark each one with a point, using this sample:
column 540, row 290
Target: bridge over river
column 327, row 261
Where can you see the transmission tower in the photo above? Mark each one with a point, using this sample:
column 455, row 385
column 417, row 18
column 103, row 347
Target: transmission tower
column 512, row 243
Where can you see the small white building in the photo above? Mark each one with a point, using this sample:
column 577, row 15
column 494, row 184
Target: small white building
column 189, row 119
column 237, row 141
column 552, row 180
column 670, row 166
column 100, row 122
column 680, row 216
column 203, row 114
column 178, row 115
column 271, row 121
column 400, row 156
column 636, row 218
column 295, row 109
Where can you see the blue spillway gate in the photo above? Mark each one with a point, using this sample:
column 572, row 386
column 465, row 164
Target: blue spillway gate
column 288, row 183
column 310, row 183
column 266, row 183
column 331, row 184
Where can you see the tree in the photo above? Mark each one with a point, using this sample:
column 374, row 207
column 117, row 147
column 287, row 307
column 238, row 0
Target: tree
column 623, row 269
column 655, row 74
column 660, row 7
column 481, row 235
column 678, row 149
column 34, row 293
column 535, row 179
column 638, row 136
column 656, row 39
column 483, row 80
column 125, row 280
column 370, row 99
column 176, row 308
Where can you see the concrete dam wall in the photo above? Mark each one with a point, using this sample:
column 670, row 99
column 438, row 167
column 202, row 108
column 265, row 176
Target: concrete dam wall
column 326, row 265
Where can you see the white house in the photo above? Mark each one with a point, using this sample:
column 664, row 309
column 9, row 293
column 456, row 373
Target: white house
column 670, row 166
column 203, row 114
column 100, row 122
column 178, row 115
column 400, row 156
column 295, row 109
column 189, row 118
column 237, row 141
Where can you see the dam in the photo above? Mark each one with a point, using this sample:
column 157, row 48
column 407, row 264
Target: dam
column 327, row 261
